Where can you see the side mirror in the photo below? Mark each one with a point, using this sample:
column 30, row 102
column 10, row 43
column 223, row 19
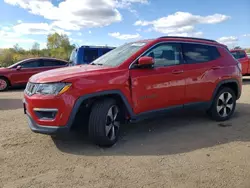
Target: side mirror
column 19, row 67
column 146, row 61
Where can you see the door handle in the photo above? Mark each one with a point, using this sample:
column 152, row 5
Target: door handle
column 216, row 67
column 177, row 71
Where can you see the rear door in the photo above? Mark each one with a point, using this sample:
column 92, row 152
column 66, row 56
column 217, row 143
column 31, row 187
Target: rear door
column 48, row 64
column 202, row 65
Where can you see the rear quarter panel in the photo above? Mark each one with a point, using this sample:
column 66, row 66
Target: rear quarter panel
column 229, row 70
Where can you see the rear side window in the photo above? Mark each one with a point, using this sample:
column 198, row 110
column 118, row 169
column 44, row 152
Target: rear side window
column 53, row 63
column 238, row 54
column 90, row 55
column 199, row 53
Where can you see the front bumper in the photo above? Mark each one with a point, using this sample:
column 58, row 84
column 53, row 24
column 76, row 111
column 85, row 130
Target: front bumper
column 49, row 130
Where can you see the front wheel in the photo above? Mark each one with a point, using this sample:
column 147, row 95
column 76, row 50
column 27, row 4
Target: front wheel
column 104, row 123
column 224, row 104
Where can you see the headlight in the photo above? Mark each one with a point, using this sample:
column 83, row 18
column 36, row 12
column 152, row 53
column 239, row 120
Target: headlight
column 52, row 88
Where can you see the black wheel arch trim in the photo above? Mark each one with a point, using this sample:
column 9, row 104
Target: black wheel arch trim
column 128, row 106
column 226, row 82
column 98, row 94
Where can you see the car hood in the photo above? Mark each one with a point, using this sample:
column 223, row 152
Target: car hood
column 61, row 74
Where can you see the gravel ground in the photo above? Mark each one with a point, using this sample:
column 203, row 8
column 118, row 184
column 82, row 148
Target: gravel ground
column 181, row 150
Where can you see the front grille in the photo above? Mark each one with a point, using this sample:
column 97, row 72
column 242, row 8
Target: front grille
column 31, row 88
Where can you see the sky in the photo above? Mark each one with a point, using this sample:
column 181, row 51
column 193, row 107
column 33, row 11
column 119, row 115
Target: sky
column 115, row 22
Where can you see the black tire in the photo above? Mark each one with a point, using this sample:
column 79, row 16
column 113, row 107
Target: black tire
column 7, row 84
column 98, row 121
column 219, row 115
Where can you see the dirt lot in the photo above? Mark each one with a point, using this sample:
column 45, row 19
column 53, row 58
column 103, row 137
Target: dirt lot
column 182, row 150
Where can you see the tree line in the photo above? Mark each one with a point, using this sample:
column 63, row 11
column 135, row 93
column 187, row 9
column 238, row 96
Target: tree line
column 238, row 47
column 58, row 46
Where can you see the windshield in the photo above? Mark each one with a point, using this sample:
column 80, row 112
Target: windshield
column 118, row 55
column 16, row 64
column 73, row 56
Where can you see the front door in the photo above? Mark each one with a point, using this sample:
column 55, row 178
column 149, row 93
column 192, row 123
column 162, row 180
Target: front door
column 29, row 68
column 161, row 86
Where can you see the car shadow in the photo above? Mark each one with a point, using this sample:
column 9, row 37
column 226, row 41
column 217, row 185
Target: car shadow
column 246, row 81
column 10, row 104
column 176, row 133
column 16, row 88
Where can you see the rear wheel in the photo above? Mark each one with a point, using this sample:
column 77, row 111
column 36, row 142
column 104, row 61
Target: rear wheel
column 223, row 105
column 104, row 123
column 4, row 84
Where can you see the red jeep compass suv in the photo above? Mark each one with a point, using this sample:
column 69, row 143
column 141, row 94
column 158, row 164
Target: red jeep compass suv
column 132, row 82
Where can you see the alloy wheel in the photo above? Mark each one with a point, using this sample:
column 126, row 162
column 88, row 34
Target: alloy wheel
column 112, row 123
column 225, row 104
column 3, row 84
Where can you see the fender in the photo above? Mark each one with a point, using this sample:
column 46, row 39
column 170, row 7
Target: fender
column 98, row 94
column 226, row 82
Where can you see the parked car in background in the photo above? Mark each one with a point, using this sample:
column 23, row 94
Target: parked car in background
column 19, row 73
column 244, row 59
column 248, row 54
column 135, row 81
column 87, row 54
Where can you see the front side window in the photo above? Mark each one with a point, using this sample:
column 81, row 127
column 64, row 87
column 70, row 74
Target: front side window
column 166, row 54
column 31, row 64
column 199, row 53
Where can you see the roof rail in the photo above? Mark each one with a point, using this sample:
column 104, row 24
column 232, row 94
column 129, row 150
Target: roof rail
column 194, row 38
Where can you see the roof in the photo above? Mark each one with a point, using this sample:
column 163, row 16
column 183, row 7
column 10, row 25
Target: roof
column 44, row 58
column 190, row 38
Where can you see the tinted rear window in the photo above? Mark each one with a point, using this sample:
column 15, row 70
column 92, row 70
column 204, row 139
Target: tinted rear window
column 199, row 53
column 53, row 63
column 238, row 54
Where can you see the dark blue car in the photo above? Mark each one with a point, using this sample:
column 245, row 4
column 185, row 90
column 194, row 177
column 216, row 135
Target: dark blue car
column 87, row 54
